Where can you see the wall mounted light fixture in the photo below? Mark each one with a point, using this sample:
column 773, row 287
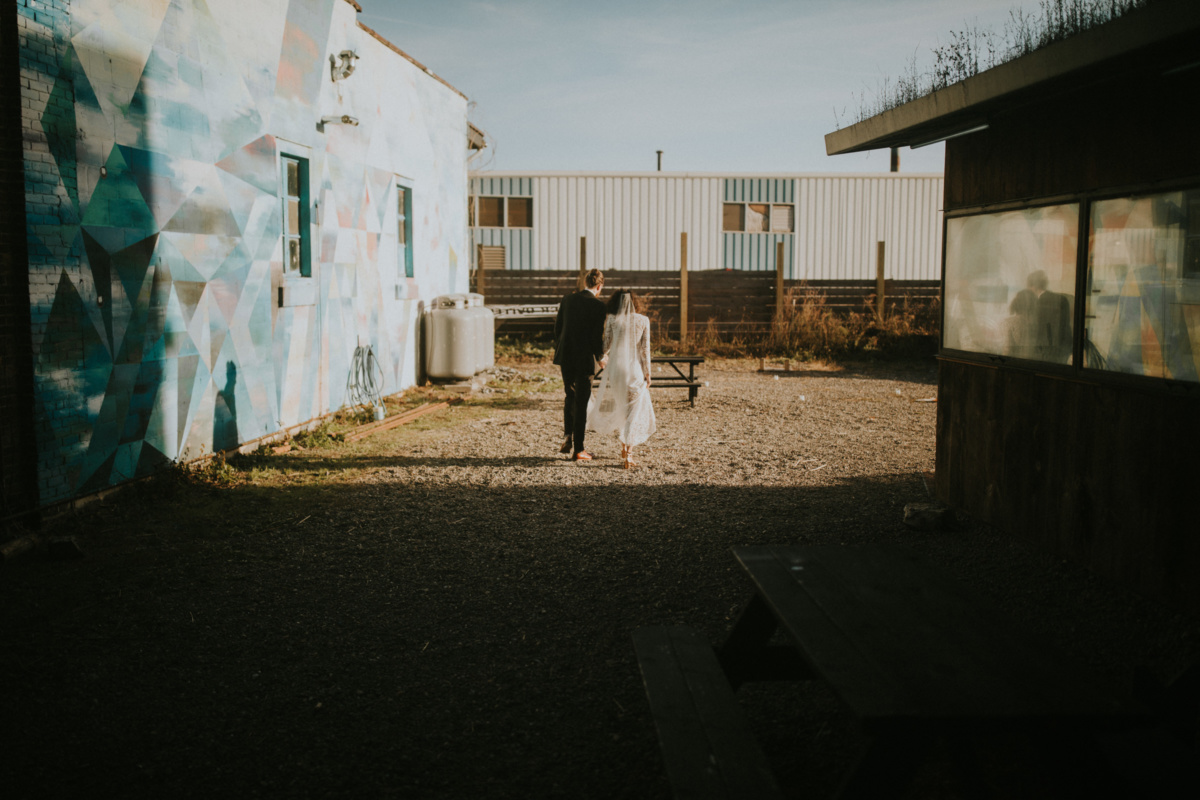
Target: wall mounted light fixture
column 344, row 119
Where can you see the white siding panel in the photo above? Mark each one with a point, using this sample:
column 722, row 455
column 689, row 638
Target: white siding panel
column 634, row 222
column 839, row 221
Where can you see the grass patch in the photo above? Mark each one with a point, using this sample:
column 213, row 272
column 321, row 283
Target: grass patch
column 323, row 435
column 536, row 347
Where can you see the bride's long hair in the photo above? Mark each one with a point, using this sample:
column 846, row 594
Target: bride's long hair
column 614, row 302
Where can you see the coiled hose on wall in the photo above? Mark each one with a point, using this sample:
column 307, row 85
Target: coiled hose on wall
column 364, row 386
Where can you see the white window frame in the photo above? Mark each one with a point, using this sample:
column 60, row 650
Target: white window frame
column 770, row 214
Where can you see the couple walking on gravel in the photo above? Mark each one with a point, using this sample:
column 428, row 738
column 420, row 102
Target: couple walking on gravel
column 614, row 339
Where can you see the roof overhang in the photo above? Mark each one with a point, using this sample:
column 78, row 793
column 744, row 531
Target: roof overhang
column 1159, row 39
column 476, row 140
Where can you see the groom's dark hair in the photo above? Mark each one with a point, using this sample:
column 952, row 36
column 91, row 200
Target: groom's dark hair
column 614, row 302
column 593, row 278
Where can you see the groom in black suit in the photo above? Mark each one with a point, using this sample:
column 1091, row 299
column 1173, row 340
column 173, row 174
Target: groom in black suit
column 579, row 351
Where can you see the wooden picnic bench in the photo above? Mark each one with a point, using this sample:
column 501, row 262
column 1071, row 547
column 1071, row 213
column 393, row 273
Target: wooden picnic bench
column 675, row 378
column 913, row 655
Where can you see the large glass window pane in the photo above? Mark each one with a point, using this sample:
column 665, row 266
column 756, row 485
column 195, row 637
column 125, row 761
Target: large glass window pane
column 520, row 212
column 733, row 220
column 1010, row 283
column 1143, row 303
column 293, row 178
column 491, row 212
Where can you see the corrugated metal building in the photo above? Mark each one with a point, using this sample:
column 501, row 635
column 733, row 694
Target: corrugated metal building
column 828, row 223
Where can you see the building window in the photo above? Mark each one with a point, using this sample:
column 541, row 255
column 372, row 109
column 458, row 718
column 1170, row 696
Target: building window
column 296, row 234
column 758, row 218
column 1010, row 283
column 734, row 217
column 404, row 229
column 491, row 212
column 520, row 212
column 501, row 212
column 1143, row 279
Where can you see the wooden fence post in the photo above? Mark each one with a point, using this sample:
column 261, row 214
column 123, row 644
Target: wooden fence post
column 480, row 273
column 581, row 284
column 683, row 289
column 779, row 280
column 879, row 286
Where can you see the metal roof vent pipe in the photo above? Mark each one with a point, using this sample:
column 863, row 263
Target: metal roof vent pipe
column 659, row 159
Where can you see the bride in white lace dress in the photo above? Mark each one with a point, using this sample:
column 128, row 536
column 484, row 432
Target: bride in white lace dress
column 622, row 403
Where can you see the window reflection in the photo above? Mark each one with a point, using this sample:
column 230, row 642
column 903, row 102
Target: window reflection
column 1010, row 283
column 1143, row 302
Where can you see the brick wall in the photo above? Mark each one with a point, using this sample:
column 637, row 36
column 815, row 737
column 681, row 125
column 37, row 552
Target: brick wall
column 18, row 484
column 48, row 145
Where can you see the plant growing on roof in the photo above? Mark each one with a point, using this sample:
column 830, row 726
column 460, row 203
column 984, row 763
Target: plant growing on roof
column 973, row 49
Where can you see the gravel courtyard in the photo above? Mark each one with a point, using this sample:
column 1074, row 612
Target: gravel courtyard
column 444, row 610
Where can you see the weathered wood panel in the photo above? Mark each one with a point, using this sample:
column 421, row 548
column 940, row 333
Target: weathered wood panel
column 1102, row 474
column 1121, row 132
column 1090, row 467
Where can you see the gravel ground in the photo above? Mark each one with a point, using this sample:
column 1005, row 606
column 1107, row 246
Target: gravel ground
column 447, row 611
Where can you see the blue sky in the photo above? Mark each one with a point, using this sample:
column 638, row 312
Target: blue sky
column 718, row 85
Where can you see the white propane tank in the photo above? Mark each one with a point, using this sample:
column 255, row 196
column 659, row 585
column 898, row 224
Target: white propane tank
column 450, row 339
column 485, row 332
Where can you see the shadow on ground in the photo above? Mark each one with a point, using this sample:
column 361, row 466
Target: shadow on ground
column 419, row 640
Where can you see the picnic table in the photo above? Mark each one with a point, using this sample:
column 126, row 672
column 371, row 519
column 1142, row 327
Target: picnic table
column 675, row 378
column 913, row 655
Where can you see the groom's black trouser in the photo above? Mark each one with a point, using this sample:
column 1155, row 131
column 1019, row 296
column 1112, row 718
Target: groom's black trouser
column 578, row 386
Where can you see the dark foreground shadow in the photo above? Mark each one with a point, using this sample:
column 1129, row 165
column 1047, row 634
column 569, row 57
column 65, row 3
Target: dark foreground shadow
column 432, row 639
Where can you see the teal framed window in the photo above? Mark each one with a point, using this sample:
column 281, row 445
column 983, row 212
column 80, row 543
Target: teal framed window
column 404, row 229
column 297, row 216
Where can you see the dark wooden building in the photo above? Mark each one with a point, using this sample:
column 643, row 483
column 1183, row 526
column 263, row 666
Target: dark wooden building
column 1069, row 377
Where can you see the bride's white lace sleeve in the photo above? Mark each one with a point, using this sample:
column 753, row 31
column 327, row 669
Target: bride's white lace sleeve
column 643, row 345
column 608, row 334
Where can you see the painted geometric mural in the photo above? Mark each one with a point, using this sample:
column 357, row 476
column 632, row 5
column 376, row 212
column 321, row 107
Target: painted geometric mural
column 164, row 323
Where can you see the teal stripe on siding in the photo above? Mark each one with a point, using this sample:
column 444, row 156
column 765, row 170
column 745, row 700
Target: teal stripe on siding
column 760, row 190
column 502, row 187
column 755, row 252
column 517, row 243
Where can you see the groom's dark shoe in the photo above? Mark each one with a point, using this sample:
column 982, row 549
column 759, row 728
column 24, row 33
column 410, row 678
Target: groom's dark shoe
column 566, row 446
column 583, row 455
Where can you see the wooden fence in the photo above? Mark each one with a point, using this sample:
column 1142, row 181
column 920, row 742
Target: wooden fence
column 727, row 300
